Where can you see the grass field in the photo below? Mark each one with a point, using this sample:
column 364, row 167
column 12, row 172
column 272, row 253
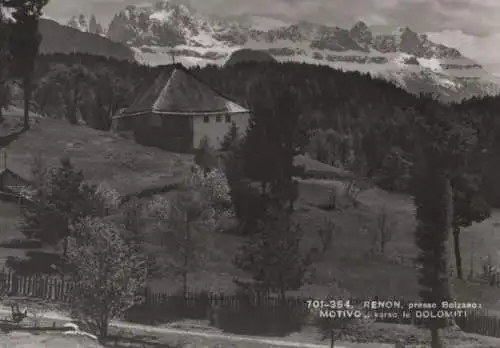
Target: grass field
column 10, row 218
column 28, row 340
column 348, row 263
column 359, row 336
column 130, row 168
column 103, row 156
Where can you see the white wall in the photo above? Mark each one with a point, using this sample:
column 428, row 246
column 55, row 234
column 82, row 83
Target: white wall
column 215, row 131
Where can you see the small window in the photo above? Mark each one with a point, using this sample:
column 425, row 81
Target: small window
column 218, row 118
column 206, row 119
column 228, row 118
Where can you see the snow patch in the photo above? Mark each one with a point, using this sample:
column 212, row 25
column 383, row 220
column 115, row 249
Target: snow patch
column 267, row 23
column 194, row 61
column 433, row 64
column 161, row 16
column 207, row 40
column 401, row 59
column 446, row 82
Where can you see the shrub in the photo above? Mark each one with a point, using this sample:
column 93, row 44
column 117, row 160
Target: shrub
column 261, row 320
column 342, row 196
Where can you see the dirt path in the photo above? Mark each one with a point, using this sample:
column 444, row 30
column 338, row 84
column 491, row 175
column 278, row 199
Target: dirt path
column 193, row 336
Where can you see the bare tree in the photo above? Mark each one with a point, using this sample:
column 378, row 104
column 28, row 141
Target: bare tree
column 181, row 224
column 180, row 227
column 382, row 232
column 327, row 234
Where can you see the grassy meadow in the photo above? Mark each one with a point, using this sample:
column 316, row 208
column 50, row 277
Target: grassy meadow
column 103, row 156
column 348, row 264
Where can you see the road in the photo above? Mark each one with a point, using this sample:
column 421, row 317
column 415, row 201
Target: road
column 199, row 337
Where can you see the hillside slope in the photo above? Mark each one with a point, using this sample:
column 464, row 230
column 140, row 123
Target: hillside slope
column 248, row 55
column 57, row 38
column 103, row 156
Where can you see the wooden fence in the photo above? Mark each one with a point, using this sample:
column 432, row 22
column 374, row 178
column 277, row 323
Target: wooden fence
column 52, row 288
column 43, row 287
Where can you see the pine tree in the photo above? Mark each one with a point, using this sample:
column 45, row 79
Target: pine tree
column 58, row 204
column 434, row 217
column 205, row 156
column 275, row 137
column 70, row 83
column 438, row 161
column 82, row 21
column 468, row 206
column 5, row 58
column 231, row 139
column 24, row 42
column 273, row 256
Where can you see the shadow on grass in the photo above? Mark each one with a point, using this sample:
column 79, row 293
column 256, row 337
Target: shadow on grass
column 136, row 342
column 169, row 310
column 9, row 138
column 242, row 320
column 36, row 262
column 271, row 322
column 17, row 243
column 326, row 206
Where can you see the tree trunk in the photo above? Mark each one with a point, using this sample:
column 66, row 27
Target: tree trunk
column 27, row 97
column 63, row 270
column 65, row 248
column 186, row 259
column 264, row 188
column 184, row 284
column 458, row 256
column 435, row 339
column 103, row 330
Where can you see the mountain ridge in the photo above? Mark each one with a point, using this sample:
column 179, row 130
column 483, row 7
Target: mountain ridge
column 58, row 38
column 157, row 31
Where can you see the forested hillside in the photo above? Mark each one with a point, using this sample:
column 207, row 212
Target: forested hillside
column 57, row 38
column 353, row 121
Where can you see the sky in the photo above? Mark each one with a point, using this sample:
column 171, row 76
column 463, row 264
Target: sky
column 472, row 26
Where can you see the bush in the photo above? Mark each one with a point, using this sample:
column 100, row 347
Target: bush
column 327, row 235
column 259, row 320
column 335, row 328
column 489, row 271
column 341, row 197
column 170, row 309
column 16, row 243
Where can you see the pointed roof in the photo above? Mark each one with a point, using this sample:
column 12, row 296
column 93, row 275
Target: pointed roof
column 178, row 92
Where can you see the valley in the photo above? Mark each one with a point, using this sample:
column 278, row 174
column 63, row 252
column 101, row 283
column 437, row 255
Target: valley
column 178, row 178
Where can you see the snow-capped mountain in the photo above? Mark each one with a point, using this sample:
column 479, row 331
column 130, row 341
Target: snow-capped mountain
column 58, row 38
column 157, row 32
column 81, row 23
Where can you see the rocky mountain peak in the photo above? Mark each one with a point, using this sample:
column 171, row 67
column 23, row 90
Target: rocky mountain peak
column 87, row 25
column 410, row 42
column 167, row 23
column 361, row 33
column 154, row 31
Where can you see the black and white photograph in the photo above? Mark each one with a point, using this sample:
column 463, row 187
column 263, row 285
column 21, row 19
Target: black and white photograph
column 250, row 174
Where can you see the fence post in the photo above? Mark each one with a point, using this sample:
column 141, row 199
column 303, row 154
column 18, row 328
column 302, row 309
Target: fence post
column 15, row 284
column 53, row 289
column 10, row 277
